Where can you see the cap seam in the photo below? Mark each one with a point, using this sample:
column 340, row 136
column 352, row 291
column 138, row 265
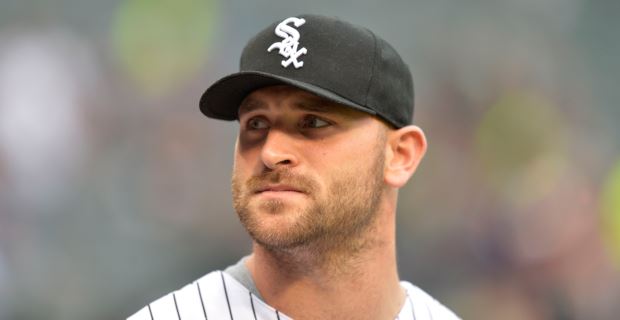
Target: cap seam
column 372, row 73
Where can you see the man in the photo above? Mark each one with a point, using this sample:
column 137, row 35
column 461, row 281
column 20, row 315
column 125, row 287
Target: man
column 325, row 141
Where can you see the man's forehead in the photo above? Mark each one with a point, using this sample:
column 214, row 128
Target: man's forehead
column 301, row 99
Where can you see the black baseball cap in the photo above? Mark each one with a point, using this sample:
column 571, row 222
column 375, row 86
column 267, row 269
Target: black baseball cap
column 331, row 58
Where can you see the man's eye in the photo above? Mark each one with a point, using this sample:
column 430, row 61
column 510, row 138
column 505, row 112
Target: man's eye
column 257, row 124
column 313, row 122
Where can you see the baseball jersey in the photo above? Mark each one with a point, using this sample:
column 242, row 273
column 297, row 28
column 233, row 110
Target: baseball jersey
column 218, row 295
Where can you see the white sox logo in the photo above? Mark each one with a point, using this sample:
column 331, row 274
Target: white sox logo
column 288, row 46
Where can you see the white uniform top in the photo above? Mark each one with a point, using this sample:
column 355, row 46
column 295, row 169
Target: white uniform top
column 218, row 296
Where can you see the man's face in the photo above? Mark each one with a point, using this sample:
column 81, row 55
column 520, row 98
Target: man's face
column 306, row 169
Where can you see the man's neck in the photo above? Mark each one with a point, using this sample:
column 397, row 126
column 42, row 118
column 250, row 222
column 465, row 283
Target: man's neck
column 323, row 282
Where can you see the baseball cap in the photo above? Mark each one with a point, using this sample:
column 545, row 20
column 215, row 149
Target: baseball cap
column 331, row 58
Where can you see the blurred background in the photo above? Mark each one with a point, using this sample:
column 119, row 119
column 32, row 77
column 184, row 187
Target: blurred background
column 115, row 190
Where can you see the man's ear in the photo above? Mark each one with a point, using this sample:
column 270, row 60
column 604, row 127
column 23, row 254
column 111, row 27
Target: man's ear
column 405, row 148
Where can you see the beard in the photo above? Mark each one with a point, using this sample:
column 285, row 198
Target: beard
column 337, row 220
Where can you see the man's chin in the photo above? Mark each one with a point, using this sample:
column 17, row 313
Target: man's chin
column 272, row 207
column 277, row 230
column 279, row 241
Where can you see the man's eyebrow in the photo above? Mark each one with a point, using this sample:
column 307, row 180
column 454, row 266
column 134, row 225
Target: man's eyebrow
column 250, row 104
column 316, row 105
column 311, row 106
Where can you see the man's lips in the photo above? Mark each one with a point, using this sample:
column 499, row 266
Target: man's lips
column 278, row 188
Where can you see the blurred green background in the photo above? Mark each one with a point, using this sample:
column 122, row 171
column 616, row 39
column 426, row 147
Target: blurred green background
column 114, row 189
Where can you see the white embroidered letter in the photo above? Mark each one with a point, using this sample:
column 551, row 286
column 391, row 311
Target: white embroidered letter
column 288, row 46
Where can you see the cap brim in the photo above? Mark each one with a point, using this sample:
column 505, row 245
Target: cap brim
column 222, row 99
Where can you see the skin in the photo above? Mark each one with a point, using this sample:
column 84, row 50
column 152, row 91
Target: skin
column 316, row 184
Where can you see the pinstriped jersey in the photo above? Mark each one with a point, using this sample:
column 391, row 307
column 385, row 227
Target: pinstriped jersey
column 218, row 296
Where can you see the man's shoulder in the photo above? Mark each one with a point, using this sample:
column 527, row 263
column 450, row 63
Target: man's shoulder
column 189, row 299
column 217, row 295
column 421, row 305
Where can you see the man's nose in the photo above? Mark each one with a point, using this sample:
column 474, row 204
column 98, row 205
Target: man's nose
column 279, row 150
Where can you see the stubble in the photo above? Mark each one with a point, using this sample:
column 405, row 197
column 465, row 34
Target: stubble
column 338, row 224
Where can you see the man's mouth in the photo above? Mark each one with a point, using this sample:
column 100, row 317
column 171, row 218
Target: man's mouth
column 277, row 188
